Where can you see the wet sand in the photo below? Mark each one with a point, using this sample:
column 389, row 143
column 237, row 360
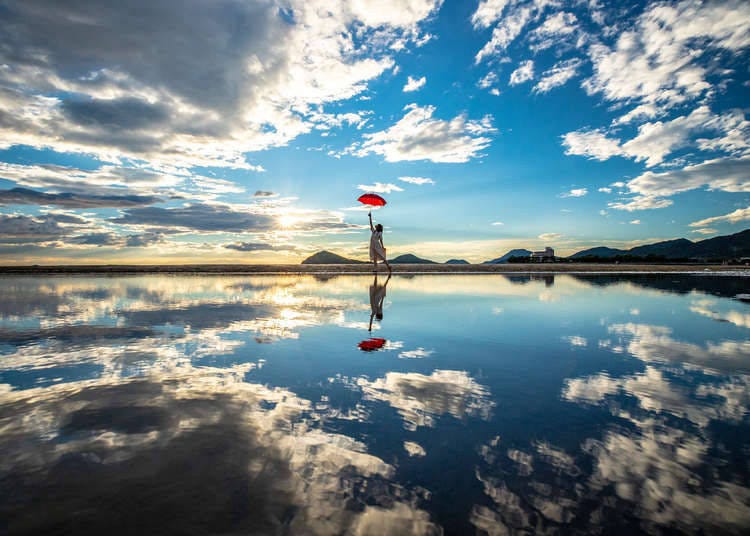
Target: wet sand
column 367, row 268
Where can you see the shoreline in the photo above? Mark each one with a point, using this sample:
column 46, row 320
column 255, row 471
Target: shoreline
column 352, row 269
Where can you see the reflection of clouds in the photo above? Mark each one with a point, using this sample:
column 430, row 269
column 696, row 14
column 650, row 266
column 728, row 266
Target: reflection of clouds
column 702, row 307
column 414, row 449
column 576, row 340
column 199, row 449
column 419, row 398
column 418, row 353
column 655, row 344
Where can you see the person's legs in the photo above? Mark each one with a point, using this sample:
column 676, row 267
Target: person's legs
column 388, row 266
column 375, row 265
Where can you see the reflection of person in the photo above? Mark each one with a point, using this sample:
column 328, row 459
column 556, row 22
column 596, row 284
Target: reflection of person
column 377, row 297
column 377, row 250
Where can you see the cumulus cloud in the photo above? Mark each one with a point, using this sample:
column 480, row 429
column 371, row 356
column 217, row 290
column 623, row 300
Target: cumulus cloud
column 640, row 202
column 420, row 181
column 725, row 174
column 558, row 75
column 419, row 136
column 575, row 192
column 657, row 60
column 202, row 85
column 508, row 28
column 414, row 84
column 741, row 214
column 593, row 144
column 380, row 188
column 523, row 73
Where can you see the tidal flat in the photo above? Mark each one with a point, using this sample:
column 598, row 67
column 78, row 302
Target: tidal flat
column 347, row 404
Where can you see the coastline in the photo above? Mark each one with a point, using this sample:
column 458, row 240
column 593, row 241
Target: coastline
column 547, row 268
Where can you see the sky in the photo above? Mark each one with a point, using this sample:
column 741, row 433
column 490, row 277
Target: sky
column 243, row 131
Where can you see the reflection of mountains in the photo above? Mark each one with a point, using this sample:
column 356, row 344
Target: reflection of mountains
column 200, row 452
column 727, row 287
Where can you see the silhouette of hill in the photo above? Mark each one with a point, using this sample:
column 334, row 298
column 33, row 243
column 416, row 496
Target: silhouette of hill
column 720, row 247
column 326, row 257
column 457, row 261
column 408, row 258
column 511, row 253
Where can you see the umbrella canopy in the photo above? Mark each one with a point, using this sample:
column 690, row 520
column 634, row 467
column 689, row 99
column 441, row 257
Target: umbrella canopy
column 371, row 199
column 370, row 345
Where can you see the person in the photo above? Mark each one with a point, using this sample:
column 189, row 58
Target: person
column 377, row 250
column 377, row 297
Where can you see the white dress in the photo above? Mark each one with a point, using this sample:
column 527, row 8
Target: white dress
column 376, row 247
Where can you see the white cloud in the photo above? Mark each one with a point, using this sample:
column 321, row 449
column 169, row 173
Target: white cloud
column 634, row 222
column 508, row 28
column 413, row 84
column 149, row 90
column 592, row 144
column 380, row 188
column 417, row 180
column 488, row 80
column 657, row 60
column 741, row 214
column 605, row 190
column 656, row 140
column 640, row 202
column 575, row 192
column 725, row 174
column 558, row 75
column 550, row 236
column 646, row 111
column 704, row 231
column 418, row 136
column 497, row 223
column 523, row 73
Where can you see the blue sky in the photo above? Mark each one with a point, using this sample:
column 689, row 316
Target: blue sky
column 234, row 131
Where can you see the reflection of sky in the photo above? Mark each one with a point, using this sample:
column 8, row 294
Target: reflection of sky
column 497, row 403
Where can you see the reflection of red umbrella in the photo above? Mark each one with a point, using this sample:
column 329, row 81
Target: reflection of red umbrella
column 371, row 199
column 370, row 345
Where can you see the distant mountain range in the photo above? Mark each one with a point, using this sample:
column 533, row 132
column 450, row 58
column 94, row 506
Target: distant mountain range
column 720, row 247
column 511, row 253
column 326, row 257
column 408, row 258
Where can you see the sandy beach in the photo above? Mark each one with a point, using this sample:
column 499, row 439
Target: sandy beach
column 367, row 268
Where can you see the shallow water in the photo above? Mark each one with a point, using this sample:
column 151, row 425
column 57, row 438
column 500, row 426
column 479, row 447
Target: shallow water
column 483, row 404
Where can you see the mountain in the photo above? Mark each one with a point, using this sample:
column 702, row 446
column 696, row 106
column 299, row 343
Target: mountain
column 408, row 258
column 511, row 253
column 457, row 261
column 602, row 252
column 720, row 247
column 671, row 249
column 326, row 257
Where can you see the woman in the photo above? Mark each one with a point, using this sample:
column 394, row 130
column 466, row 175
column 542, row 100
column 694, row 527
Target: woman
column 377, row 250
column 377, row 297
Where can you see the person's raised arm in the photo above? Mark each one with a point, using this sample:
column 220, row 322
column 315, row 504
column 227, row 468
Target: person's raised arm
column 369, row 214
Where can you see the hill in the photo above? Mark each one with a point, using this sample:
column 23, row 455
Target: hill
column 601, row 252
column 720, row 247
column 408, row 258
column 511, row 253
column 326, row 257
column 457, row 261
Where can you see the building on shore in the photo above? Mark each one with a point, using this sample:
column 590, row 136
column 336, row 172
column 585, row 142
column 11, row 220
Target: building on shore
column 548, row 255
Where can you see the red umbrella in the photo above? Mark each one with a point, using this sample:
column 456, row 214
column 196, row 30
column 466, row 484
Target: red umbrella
column 371, row 199
column 370, row 345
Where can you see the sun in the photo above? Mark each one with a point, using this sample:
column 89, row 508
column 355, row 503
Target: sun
column 288, row 220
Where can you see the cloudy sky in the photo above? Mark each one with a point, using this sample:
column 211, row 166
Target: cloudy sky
column 244, row 131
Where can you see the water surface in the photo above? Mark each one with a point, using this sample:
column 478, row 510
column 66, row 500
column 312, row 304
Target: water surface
column 486, row 404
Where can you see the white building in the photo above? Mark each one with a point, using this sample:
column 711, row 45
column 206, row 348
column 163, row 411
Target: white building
column 548, row 255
